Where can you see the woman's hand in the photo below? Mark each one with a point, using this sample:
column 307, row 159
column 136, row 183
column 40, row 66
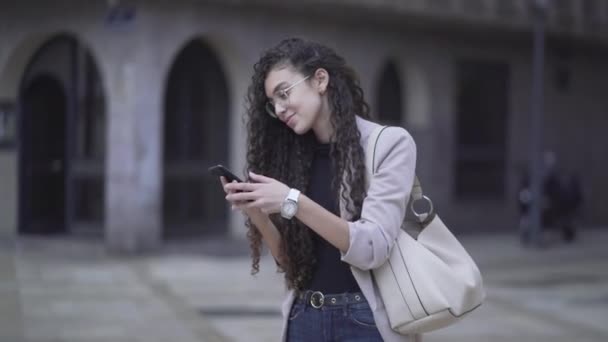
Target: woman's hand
column 251, row 212
column 265, row 194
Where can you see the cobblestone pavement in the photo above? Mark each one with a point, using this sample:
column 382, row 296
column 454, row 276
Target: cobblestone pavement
column 71, row 290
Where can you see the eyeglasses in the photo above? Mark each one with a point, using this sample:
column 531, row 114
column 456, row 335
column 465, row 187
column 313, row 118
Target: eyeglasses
column 281, row 99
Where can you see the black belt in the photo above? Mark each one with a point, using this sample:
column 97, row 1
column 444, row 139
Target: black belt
column 318, row 299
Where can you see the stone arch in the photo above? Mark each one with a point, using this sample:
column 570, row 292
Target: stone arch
column 24, row 52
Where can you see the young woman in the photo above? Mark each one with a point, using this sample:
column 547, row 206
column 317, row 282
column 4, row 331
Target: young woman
column 306, row 197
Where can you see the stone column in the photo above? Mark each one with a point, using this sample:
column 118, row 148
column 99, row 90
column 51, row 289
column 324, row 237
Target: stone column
column 431, row 118
column 134, row 152
column 238, row 136
column 418, row 115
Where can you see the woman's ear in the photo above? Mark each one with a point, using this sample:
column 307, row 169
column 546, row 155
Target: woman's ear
column 321, row 78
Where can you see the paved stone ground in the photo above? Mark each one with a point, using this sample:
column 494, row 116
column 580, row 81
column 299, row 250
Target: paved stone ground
column 10, row 307
column 71, row 290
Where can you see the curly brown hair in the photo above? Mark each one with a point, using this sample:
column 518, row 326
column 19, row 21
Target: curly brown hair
column 276, row 151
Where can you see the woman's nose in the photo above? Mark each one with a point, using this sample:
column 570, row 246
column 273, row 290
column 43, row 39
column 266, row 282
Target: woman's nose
column 280, row 110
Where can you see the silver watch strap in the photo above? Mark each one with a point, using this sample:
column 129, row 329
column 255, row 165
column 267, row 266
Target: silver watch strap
column 293, row 195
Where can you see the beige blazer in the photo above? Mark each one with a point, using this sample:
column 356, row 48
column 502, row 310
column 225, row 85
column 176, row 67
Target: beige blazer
column 373, row 235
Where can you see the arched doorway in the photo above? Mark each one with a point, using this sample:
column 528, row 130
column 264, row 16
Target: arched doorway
column 44, row 107
column 196, row 136
column 62, row 141
column 389, row 104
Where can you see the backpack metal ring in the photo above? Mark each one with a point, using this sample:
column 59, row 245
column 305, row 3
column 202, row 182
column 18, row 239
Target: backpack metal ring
column 418, row 215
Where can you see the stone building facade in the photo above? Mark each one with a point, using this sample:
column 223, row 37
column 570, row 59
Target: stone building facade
column 112, row 111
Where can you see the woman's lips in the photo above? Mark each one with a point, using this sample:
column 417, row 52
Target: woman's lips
column 288, row 122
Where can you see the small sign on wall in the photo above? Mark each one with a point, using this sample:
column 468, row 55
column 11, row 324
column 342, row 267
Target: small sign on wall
column 8, row 123
column 120, row 16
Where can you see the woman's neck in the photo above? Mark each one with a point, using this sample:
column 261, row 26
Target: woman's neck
column 322, row 127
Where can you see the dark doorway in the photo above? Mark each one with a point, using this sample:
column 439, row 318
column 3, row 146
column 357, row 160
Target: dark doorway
column 389, row 102
column 481, row 135
column 196, row 136
column 61, row 140
column 43, row 120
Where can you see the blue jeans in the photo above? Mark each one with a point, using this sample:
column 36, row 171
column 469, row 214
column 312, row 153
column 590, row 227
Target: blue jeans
column 343, row 321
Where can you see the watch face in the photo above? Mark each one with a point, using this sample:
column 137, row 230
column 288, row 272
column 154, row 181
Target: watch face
column 289, row 209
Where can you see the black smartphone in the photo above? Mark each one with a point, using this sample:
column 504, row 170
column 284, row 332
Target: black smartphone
column 221, row 170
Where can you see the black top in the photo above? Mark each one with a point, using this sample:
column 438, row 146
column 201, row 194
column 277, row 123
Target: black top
column 330, row 274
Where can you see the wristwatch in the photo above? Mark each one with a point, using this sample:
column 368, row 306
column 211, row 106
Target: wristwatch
column 289, row 207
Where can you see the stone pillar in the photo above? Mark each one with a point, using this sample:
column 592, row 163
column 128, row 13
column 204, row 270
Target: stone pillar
column 134, row 152
column 238, row 137
column 428, row 113
column 418, row 115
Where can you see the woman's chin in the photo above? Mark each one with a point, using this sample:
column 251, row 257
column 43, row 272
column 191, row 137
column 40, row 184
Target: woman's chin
column 299, row 129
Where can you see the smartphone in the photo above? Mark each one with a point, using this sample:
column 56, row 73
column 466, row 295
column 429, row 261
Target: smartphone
column 220, row 170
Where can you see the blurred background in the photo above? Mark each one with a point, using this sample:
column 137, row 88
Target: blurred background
column 111, row 229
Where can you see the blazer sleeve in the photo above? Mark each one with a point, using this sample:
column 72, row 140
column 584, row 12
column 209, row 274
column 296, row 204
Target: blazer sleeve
column 372, row 237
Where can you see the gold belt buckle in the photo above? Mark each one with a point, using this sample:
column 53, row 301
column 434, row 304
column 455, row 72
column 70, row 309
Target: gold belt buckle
column 317, row 303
